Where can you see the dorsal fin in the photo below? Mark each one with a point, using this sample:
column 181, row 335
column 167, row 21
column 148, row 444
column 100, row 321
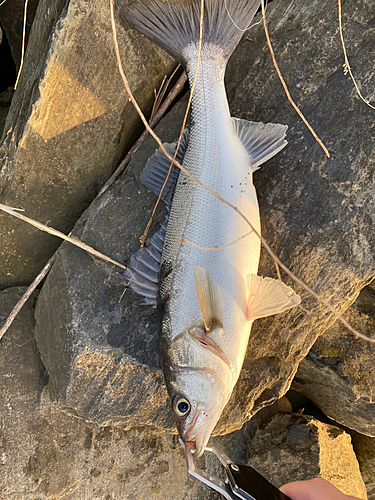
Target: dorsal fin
column 155, row 172
column 267, row 296
column 261, row 140
column 209, row 299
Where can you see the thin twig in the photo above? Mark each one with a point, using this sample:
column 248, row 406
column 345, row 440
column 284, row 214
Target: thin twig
column 285, row 86
column 144, row 235
column 216, row 247
column 159, row 95
column 177, row 88
column 23, row 43
column 158, row 98
column 347, row 68
column 265, row 244
column 26, row 295
column 63, row 236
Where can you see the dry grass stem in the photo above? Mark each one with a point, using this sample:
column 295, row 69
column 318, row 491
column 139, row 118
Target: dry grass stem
column 54, row 232
column 183, row 169
column 217, row 247
column 26, row 295
column 142, row 239
column 347, row 68
column 159, row 95
column 285, row 86
column 23, row 43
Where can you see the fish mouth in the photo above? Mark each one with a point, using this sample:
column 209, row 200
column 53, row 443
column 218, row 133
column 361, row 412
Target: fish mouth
column 199, row 432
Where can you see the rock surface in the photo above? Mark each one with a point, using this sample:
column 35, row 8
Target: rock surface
column 45, row 453
column 317, row 214
column 338, row 373
column 69, row 123
column 364, row 447
column 285, row 442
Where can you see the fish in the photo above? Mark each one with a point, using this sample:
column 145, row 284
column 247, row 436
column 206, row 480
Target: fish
column 201, row 267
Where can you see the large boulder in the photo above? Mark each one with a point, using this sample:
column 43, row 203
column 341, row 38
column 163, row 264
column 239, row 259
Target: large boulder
column 69, row 123
column 298, row 447
column 100, row 347
column 46, row 453
column 338, row 372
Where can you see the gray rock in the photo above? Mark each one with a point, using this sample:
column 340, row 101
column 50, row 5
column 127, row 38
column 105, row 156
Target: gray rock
column 316, row 213
column 21, row 381
column 46, row 453
column 364, row 448
column 298, row 447
column 338, row 373
column 101, row 349
column 69, row 123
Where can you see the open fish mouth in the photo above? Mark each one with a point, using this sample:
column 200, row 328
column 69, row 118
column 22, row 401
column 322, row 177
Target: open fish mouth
column 200, row 430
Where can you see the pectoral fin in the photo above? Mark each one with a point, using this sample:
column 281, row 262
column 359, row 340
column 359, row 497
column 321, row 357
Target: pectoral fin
column 208, row 296
column 267, row 296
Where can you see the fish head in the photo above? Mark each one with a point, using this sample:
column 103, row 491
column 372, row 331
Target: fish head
column 200, row 386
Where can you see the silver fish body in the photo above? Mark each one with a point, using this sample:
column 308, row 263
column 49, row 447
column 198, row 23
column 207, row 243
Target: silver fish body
column 210, row 293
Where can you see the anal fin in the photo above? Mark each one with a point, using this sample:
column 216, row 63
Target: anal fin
column 267, row 296
column 262, row 141
column 143, row 267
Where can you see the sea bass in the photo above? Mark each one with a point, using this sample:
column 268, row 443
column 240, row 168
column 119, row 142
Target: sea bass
column 201, row 266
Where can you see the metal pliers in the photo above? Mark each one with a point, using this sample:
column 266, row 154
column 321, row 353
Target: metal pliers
column 240, row 482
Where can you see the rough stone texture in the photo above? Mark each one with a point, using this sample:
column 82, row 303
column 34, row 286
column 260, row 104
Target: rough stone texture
column 45, row 453
column 364, row 448
column 340, row 364
column 316, row 213
column 101, row 350
column 298, row 447
column 69, row 123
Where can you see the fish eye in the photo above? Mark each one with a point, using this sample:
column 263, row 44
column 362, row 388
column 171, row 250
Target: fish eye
column 181, row 406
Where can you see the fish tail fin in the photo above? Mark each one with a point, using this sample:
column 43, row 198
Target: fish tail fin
column 174, row 25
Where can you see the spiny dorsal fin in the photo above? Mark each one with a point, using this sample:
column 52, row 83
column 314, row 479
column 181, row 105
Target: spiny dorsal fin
column 267, row 296
column 209, row 299
column 175, row 24
column 157, row 167
column 261, row 140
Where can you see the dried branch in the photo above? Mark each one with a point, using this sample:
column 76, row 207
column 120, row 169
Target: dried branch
column 26, row 295
column 23, row 43
column 285, row 86
column 63, row 236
